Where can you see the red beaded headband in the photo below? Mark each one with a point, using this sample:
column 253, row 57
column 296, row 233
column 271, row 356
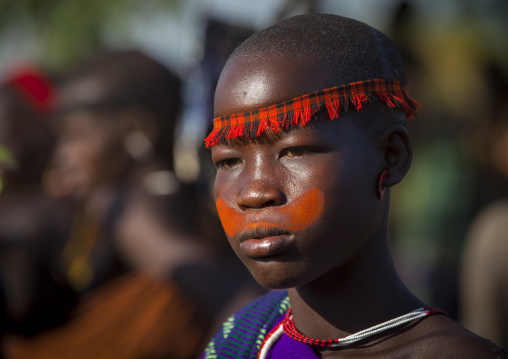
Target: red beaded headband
column 299, row 111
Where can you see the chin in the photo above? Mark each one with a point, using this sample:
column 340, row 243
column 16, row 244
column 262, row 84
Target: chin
column 274, row 285
column 274, row 280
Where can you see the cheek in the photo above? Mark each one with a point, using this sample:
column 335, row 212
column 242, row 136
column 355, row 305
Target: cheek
column 86, row 156
column 304, row 211
column 353, row 209
column 231, row 220
column 87, row 159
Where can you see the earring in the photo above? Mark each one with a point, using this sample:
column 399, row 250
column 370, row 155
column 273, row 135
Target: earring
column 380, row 185
column 138, row 145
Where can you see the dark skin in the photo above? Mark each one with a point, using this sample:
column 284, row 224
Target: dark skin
column 338, row 269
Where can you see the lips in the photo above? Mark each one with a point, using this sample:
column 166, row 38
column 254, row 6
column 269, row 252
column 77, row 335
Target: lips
column 264, row 240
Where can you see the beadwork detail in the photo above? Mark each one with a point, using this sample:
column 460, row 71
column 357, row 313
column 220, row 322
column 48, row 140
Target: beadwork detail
column 290, row 330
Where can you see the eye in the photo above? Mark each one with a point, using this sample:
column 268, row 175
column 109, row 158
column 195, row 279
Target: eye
column 296, row 152
column 227, row 163
column 225, row 157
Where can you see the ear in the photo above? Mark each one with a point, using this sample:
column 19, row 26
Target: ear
column 397, row 148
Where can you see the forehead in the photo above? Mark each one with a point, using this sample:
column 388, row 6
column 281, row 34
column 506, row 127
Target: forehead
column 254, row 81
column 80, row 123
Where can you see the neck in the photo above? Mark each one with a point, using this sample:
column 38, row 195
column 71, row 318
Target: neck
column 366, row 292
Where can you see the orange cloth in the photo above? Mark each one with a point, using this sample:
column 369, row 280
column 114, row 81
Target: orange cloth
column 132, row 317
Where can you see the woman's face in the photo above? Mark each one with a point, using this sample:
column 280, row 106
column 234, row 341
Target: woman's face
column 90, row 151
column 299, row 205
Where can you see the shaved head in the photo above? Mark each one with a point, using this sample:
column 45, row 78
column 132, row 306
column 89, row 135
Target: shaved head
column 348, row 50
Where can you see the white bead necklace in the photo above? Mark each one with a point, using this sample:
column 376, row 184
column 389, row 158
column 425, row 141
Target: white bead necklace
column 287, row 326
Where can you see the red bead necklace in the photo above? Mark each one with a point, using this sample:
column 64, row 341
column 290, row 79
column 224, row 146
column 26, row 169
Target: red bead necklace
column 288, row 325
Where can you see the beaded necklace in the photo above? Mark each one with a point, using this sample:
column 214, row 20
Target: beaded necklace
column 287, row 326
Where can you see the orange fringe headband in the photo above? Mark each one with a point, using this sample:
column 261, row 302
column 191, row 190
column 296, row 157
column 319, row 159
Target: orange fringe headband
column 299, row 111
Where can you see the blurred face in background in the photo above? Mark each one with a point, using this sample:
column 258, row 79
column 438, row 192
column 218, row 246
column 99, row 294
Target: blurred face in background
column 90, row 150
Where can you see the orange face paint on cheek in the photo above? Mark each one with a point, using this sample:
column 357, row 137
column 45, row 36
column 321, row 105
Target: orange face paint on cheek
column 295, row 216
column 231, row 220
column 303, row 211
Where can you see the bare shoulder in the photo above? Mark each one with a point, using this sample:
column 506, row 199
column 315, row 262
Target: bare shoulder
column 441, row 337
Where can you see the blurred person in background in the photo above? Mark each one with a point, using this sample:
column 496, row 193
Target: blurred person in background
column 447, row 63
column 484, row 272
column 484, row 281
column 149, row 283
column 32, row 224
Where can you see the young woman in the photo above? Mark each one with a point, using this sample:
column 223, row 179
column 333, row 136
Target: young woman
column 308, row 138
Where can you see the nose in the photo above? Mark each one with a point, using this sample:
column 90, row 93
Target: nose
column 261, row 188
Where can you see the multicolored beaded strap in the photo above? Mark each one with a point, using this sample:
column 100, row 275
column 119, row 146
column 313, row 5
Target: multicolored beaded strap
column 288, row 326
column 299, row 111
